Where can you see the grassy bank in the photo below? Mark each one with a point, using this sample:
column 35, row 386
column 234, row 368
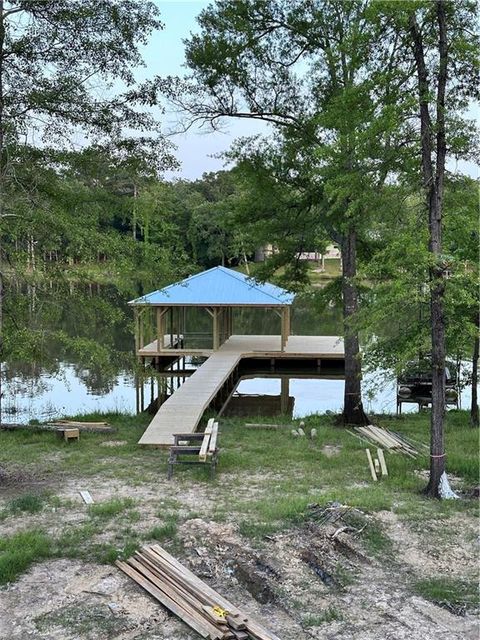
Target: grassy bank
column 266, row 483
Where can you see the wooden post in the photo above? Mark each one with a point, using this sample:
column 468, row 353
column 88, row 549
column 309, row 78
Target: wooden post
column 161, row 313
column 283, row 337
column 137, row 393
column 160, row 332
column 141, row 343
column 285, row 326
column 142, row 387
column 216, row 338
column 284, row 394
column 135, row 330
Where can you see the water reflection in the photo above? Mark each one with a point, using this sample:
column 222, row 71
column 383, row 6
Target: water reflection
column 61, row 378
column 48, row 397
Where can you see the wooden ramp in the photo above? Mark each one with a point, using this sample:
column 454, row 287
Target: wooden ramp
column 182, row 412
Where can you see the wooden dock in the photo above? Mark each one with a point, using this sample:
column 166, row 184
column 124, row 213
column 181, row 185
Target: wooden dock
column 182, row 412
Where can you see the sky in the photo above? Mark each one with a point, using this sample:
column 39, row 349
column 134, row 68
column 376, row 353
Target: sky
column 196, row 150
column 164, row 55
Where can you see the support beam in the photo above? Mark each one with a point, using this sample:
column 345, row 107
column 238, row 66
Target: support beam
column 216, row 329
column 285, row 331
column 141, row 341
column 284, row 394
column 136, row 329
column 160, row 328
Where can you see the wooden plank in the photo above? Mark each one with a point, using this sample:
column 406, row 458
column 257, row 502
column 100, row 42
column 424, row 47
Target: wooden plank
column 252, row 626
column 202, row 456
column 87, row 498
column 208, row 591
column 178, row 597
column 185, row 448
column 378, row 437
column 383, row 464
column 80, row 423
column 370, row 464
column 175, row 575
column 212, row 445
column 159, row 595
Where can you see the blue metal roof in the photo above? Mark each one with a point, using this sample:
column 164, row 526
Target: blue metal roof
column 218, row 287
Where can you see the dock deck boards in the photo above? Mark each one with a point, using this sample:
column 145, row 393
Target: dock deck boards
column 182, row 412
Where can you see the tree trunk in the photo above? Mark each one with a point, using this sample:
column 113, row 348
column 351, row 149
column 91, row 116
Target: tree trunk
column 134, row 211
column 353, row 412
column 433, row 178
column 2, row 178
column 474, row 417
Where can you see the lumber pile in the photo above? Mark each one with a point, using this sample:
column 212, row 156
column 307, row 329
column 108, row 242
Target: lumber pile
column 188, row 597
column 95, row 427
column 389, row 440
column 98, row 427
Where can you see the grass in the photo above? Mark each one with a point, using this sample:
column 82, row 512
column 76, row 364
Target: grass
column 26, row 503
column 111, row 508
column 20, row 551
column 162, row 532
column 449, row 592
column 330, row 614
column 265, row 482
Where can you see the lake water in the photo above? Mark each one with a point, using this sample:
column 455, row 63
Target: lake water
column 59, row 386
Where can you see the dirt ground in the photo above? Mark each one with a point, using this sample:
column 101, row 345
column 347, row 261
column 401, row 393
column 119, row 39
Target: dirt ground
column 300, row 582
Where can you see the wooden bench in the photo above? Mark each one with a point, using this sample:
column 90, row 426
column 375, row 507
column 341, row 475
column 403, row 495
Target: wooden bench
column 68, row 433
column 201, row 448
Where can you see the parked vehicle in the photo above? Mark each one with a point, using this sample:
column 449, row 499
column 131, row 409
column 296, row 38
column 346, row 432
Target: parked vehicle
column 414, row 384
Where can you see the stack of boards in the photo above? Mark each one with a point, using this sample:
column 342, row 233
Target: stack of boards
column 188, row 597
column 387, row 439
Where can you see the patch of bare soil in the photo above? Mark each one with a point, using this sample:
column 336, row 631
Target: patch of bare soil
column 309, row 582
column 305, row 585
column 68, row 600
column 15, row 479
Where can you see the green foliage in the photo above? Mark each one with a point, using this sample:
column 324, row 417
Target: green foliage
column 29, row 503
column 163, row 532
column 395, row 315
column 330, row 614
column 111, row 508
column 450, row 592
column 19, row 551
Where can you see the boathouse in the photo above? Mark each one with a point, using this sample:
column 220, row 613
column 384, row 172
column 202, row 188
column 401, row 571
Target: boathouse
column 162, row 331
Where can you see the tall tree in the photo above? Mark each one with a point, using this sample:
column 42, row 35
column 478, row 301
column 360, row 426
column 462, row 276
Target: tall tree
column 445, row 56
column 316, row 73
column 66, row 73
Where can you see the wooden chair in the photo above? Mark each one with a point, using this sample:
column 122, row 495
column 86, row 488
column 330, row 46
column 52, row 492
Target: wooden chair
column 201, row 448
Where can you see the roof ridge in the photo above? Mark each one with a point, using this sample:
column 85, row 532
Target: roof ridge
column 243, row 277
column 179, row 283
column 277, row 295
